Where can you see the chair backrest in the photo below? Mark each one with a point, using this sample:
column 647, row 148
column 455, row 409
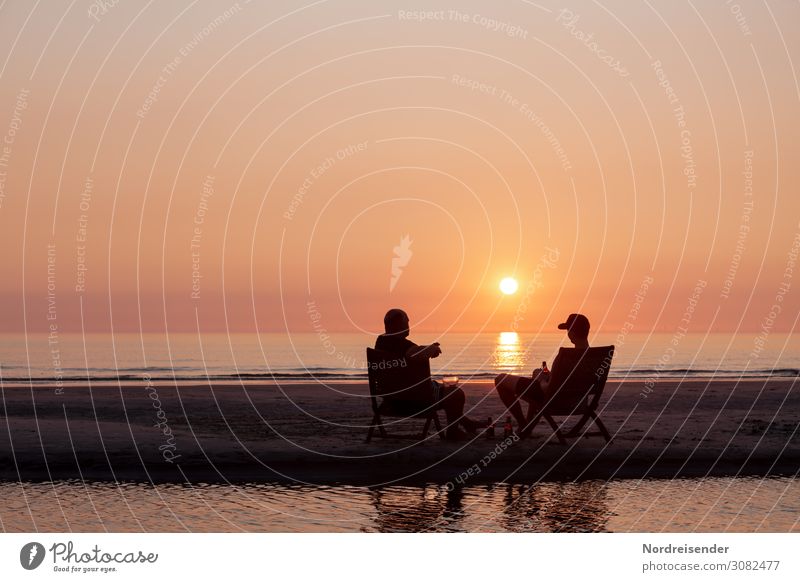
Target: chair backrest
column 579, row 377
column 398, row 377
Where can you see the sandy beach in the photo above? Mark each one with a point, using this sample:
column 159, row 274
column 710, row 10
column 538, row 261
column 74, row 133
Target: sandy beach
column 314, row 433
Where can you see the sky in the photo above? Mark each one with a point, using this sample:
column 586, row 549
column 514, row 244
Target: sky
column 242, row 167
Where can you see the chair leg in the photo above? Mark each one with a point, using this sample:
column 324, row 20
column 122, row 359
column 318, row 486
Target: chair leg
column 426, row 428
column 437, row 425
column 371, row 430
column 377, row 422
column 601, row 426
column 580, row 424
column 528, row 428
column 556, row 430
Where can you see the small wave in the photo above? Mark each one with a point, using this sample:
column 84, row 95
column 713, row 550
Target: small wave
column 758, row 373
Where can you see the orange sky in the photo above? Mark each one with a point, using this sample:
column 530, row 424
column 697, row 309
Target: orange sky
column 282, row 153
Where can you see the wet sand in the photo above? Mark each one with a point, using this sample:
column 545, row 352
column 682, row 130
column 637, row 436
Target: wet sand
column 314, row 433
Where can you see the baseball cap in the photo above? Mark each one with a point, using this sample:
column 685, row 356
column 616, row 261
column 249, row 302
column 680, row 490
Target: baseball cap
column 578, row 321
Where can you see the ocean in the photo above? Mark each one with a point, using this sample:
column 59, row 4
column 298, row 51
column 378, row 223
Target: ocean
column 70, row 358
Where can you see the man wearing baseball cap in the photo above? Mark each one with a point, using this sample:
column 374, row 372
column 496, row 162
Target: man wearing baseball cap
column 577, row 327
column 535, row 390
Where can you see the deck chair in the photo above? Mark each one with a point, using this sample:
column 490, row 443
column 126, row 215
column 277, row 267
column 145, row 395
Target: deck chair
column 580, row 376
column 400, row 387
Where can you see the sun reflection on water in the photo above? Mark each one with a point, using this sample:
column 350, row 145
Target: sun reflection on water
column 508, row 354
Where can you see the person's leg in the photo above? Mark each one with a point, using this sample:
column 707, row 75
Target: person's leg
column 534, row 396
column 452, row 402
column 506, row 385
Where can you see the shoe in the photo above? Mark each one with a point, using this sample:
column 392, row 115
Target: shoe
column 472, row 426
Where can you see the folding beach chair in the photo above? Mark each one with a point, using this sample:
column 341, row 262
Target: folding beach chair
column 579, row 377
column 400, row 387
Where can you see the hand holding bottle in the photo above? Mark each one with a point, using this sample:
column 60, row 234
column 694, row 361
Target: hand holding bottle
column 542, row 374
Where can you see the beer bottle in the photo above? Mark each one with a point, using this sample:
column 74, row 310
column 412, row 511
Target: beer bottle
column 508, row 428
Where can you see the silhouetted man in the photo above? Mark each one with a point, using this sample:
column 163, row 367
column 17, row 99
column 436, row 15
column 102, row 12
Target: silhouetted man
column 536, row 389
column 449, row 398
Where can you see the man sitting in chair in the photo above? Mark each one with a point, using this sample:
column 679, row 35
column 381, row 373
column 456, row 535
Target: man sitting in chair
column 536, row 389
column 448, row 398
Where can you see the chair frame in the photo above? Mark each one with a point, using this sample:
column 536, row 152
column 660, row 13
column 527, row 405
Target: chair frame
column 389, row 406
column 584, row 404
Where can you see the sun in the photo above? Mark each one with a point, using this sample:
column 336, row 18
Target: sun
column 509, row 286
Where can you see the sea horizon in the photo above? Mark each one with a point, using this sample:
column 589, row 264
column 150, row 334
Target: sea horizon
column 308, row 356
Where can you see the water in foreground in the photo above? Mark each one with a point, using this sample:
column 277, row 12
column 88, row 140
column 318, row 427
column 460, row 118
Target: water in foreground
column 728, row 504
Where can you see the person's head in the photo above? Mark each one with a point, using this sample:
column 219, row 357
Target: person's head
column 395, row 322
column 577, row 327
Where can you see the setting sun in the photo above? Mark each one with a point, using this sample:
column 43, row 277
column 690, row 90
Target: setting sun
column 509, row 286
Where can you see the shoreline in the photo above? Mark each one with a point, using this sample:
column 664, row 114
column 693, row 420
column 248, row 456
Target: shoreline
column 314, row 433
column 131, row 383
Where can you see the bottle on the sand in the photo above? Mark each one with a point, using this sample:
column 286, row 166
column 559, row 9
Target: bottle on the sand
column 508, row 428
column 544, row 367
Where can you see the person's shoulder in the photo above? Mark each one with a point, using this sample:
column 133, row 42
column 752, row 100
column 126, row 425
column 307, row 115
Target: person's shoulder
column 573, row 349
column 394, row 344
column 391, row 340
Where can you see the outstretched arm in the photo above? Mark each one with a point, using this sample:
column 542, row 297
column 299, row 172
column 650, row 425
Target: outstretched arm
column 431, row 351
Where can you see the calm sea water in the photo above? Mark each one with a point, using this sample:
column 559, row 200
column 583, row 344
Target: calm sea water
column 703, row 505
column 186, row 357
